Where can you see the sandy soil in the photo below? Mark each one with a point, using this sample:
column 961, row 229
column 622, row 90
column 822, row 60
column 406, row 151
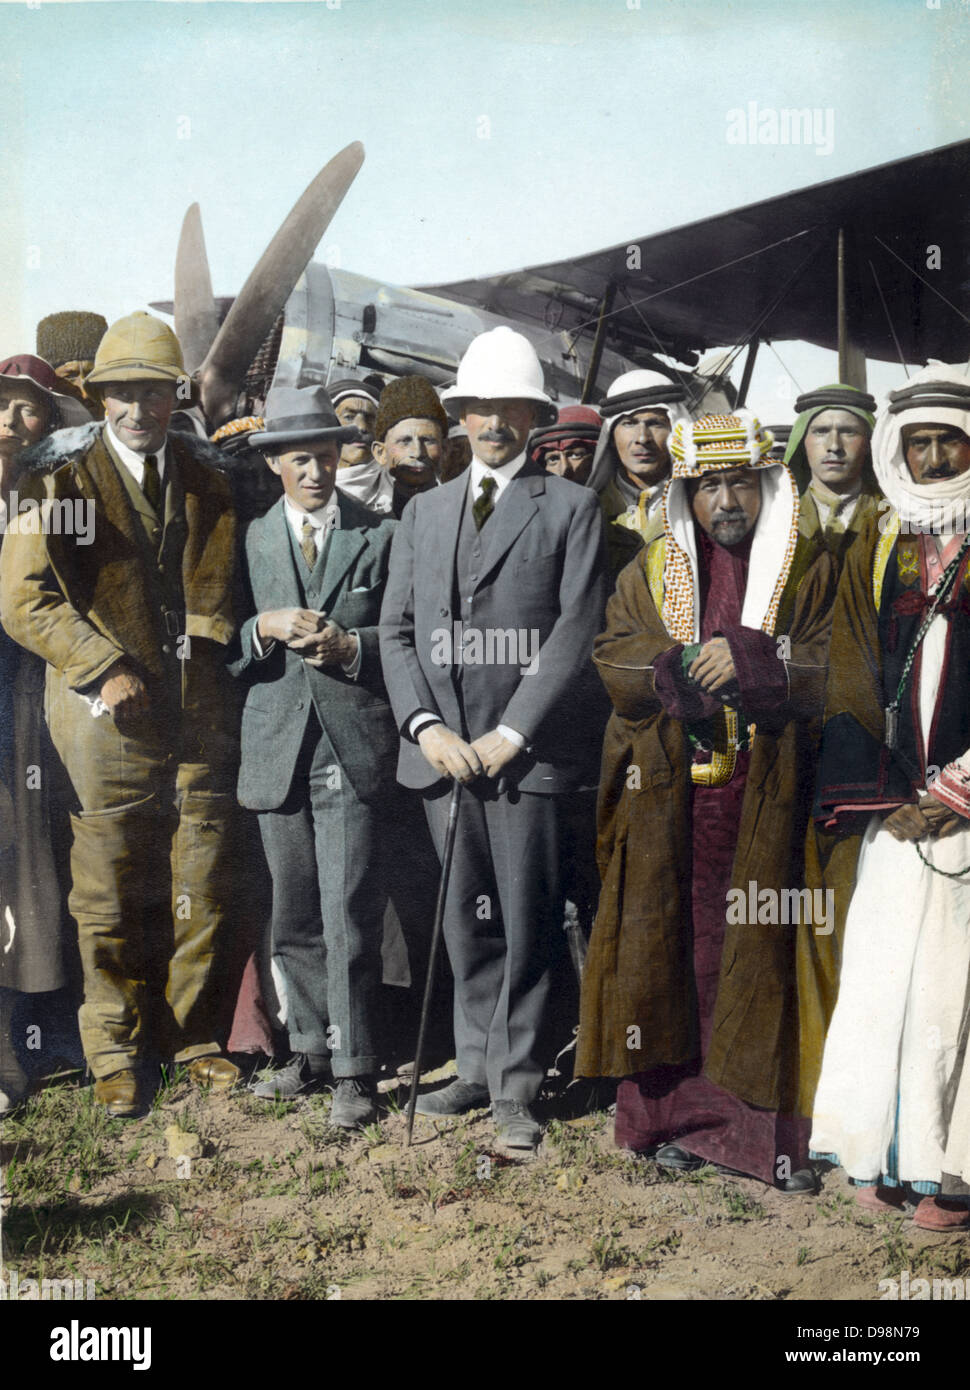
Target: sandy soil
column 247, row 1200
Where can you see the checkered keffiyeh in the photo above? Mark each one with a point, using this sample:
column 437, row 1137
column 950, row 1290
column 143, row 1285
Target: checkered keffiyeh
column 714, row 444
column 719, row 441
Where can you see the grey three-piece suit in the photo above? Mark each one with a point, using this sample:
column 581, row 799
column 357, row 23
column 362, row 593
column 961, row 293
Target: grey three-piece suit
column 317, row 761
column 535, row 573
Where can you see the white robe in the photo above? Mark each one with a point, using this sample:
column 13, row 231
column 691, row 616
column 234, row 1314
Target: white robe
column 905, row 963
column 956, row 1160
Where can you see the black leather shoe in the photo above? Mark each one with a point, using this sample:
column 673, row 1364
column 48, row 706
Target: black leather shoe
column 515, row 1125
column 14, row 1082
column 802, row 1181
column 300, row 1077
column 453, row 1099
column 673, row 1156
column 354, row 1102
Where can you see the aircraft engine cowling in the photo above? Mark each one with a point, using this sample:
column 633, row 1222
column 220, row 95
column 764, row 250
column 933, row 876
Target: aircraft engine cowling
column 338, row 324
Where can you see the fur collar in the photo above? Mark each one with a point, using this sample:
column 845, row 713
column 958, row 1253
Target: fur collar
column 69, row 447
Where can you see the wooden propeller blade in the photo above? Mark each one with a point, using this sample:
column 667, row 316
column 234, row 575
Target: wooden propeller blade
column 269, row 286
column 196, row 316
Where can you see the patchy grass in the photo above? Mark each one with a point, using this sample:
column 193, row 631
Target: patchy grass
column 897, row 1251
column 607, row 1253
column 282, row 1206
column 739, row 1206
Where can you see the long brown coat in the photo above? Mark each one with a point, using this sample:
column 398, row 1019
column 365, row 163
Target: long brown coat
column 32, row 944
column 83, row 606
column 639, row 970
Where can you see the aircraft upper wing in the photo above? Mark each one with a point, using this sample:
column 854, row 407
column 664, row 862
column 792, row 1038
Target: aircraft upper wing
column 770, row 270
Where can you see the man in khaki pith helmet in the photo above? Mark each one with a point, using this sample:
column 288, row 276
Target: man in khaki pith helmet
column 134, row 625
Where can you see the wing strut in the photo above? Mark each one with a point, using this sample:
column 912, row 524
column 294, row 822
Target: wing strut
column 852, row 358
column 599, row 340
column 748, row 371
column 885, row 309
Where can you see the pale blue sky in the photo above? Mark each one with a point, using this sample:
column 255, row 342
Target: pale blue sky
column 498, row 132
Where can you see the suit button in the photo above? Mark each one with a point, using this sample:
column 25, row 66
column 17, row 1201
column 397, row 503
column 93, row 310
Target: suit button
column 299, row 704
column 474, row 578
column 444, row 612
column 166, row 648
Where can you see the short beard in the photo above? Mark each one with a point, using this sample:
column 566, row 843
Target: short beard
column 729, row 529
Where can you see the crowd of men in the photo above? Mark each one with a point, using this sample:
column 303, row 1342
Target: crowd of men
column 695, row 713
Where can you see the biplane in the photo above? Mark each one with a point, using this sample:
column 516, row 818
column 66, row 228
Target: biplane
column 873, row 265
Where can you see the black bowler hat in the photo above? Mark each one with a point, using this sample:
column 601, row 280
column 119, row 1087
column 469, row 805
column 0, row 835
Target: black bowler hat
column 297, row 415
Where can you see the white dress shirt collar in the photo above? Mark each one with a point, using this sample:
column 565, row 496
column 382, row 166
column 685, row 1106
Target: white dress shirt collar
column 135, row 463
column 323, row 520
column 502, row 475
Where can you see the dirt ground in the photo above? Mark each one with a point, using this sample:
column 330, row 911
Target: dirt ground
column 220, row 1196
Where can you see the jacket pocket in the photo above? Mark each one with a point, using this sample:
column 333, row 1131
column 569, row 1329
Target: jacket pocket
column 542, row 562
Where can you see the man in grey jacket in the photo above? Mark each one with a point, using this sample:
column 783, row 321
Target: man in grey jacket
column 496, row 591
column 317, row 745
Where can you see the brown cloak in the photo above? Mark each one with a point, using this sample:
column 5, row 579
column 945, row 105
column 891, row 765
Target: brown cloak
column 638, row 1005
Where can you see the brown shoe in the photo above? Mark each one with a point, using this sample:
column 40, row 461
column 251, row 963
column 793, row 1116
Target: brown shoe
column 937, row 1214
column 118, row 1093
column 880, row 1199
column 218, row 1072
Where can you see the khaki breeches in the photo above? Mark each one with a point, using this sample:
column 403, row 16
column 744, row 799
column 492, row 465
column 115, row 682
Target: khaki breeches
column 151, row 869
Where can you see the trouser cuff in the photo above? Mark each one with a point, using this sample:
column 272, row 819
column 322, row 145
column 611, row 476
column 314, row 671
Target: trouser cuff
column 344, row 1067
column 189, row 1054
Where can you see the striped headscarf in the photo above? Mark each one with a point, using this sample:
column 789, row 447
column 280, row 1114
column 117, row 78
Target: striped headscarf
column 716, row 443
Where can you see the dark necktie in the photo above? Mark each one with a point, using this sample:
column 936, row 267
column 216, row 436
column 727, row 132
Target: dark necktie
column 308, row 544
column 151, row 484
column 483, row 506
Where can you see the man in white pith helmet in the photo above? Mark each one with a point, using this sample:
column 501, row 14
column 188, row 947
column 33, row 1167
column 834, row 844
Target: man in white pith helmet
column 496, row 591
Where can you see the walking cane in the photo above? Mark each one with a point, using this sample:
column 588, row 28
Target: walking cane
column 439, row 914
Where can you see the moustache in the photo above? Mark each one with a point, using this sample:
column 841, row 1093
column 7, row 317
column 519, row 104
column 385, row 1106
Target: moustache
column 498, row 436
column 937, row 474
column 722, row 517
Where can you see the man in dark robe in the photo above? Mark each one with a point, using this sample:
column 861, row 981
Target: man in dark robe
column 714, row 660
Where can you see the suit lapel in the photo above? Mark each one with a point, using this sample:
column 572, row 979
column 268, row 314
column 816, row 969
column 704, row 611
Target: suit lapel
column 277, row 556
column 449, row 500
column 343, row 547
column 514, row 512
column 100, row 471
column 111, row 576
column 133, row 488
